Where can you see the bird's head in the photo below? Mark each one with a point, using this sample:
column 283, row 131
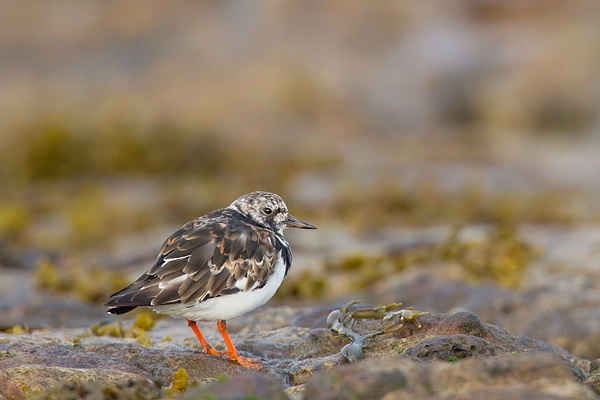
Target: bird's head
column 268, row 210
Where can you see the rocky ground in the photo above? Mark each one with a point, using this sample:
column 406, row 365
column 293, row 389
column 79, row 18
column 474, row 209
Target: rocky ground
column 539, row 340
column 450, row 356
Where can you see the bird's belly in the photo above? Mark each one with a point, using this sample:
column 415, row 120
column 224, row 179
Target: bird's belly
column 228, row 306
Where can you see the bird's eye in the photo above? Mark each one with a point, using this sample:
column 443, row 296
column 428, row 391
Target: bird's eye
column 267, row 210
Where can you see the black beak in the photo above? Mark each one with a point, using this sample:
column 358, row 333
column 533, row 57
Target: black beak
column 293, row 222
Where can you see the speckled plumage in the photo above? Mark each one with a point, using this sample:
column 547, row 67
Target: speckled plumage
column 217, row 266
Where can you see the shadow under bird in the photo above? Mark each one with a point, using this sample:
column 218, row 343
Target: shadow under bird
column 218, row 267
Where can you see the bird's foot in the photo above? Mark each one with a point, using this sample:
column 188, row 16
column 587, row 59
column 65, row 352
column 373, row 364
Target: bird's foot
column 210, row 350
column 249, row 362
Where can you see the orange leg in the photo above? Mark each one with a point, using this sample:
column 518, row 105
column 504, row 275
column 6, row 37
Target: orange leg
column 203, row 342
column 232, row 351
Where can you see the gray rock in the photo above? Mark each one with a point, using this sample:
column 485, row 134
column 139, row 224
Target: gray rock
column 593, row 380
column 34, row 363
column 291, row 356
column 565, row 312
column 245, row 386
column 138, row 389
column 532, row 376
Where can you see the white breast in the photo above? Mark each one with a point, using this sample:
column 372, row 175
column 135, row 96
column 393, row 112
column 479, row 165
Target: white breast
column 229, row 306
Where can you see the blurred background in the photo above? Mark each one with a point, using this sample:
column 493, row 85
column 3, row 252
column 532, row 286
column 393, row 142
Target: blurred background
column 409, row 132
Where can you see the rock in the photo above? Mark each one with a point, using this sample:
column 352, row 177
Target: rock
column 463, row 335
column 563, row 312
column 161, row 364
column 291, row 357
column 33, row 363
column 593, row 380
column 244, row 386
column 131, row 389
column 532, row 376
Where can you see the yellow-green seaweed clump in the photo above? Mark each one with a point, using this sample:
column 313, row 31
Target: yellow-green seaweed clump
column 138, row 329
column 180, row 380
column 144, row 321
column 18, row 329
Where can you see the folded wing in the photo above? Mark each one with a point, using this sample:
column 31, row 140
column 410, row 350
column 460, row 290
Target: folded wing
column 214, row 255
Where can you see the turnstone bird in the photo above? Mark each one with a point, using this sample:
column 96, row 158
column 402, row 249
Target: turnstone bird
column 217, row 267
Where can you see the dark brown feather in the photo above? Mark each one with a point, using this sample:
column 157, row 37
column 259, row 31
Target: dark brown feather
column 216, row 283
column 218, row 260
column 171, row 267
column 199, row 257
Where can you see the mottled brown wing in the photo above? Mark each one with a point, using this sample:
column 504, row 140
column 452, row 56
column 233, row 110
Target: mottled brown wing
column 218, row 254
